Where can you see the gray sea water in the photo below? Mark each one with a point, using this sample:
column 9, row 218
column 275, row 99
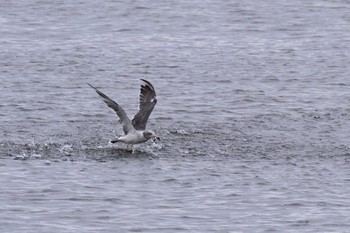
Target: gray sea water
column 253, row 114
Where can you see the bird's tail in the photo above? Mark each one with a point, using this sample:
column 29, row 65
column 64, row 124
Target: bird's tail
column 115, row 140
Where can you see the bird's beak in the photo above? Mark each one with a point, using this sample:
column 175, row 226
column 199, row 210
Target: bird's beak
column 156, row 138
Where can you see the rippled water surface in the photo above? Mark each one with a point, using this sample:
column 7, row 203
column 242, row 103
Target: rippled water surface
column 253, row 114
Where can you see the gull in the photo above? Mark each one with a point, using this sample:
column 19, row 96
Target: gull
column 134, row 130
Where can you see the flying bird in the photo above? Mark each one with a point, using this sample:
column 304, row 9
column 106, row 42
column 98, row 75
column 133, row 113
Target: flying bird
column 134, row 130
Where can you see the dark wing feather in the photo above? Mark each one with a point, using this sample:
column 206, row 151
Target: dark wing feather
column 147, row 102
column 124, row 119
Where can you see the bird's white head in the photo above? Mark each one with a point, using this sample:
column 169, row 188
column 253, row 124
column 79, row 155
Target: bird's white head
column 150, row 134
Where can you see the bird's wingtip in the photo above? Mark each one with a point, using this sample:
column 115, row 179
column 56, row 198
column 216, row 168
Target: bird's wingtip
column 147, row 83
column 92, row 86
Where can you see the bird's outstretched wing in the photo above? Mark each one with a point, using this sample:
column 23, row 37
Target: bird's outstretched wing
column 124, row 119
column 147, row 102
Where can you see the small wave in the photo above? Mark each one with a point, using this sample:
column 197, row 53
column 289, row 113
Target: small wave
column 141, row 8
column 25, row 156
column 124, row 30
column 179, row 132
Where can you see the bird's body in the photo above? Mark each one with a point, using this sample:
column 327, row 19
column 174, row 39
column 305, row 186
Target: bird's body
column 132, row 138
column 135, row 130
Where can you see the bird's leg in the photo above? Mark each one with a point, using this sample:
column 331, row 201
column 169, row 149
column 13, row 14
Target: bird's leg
column 130, row 148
